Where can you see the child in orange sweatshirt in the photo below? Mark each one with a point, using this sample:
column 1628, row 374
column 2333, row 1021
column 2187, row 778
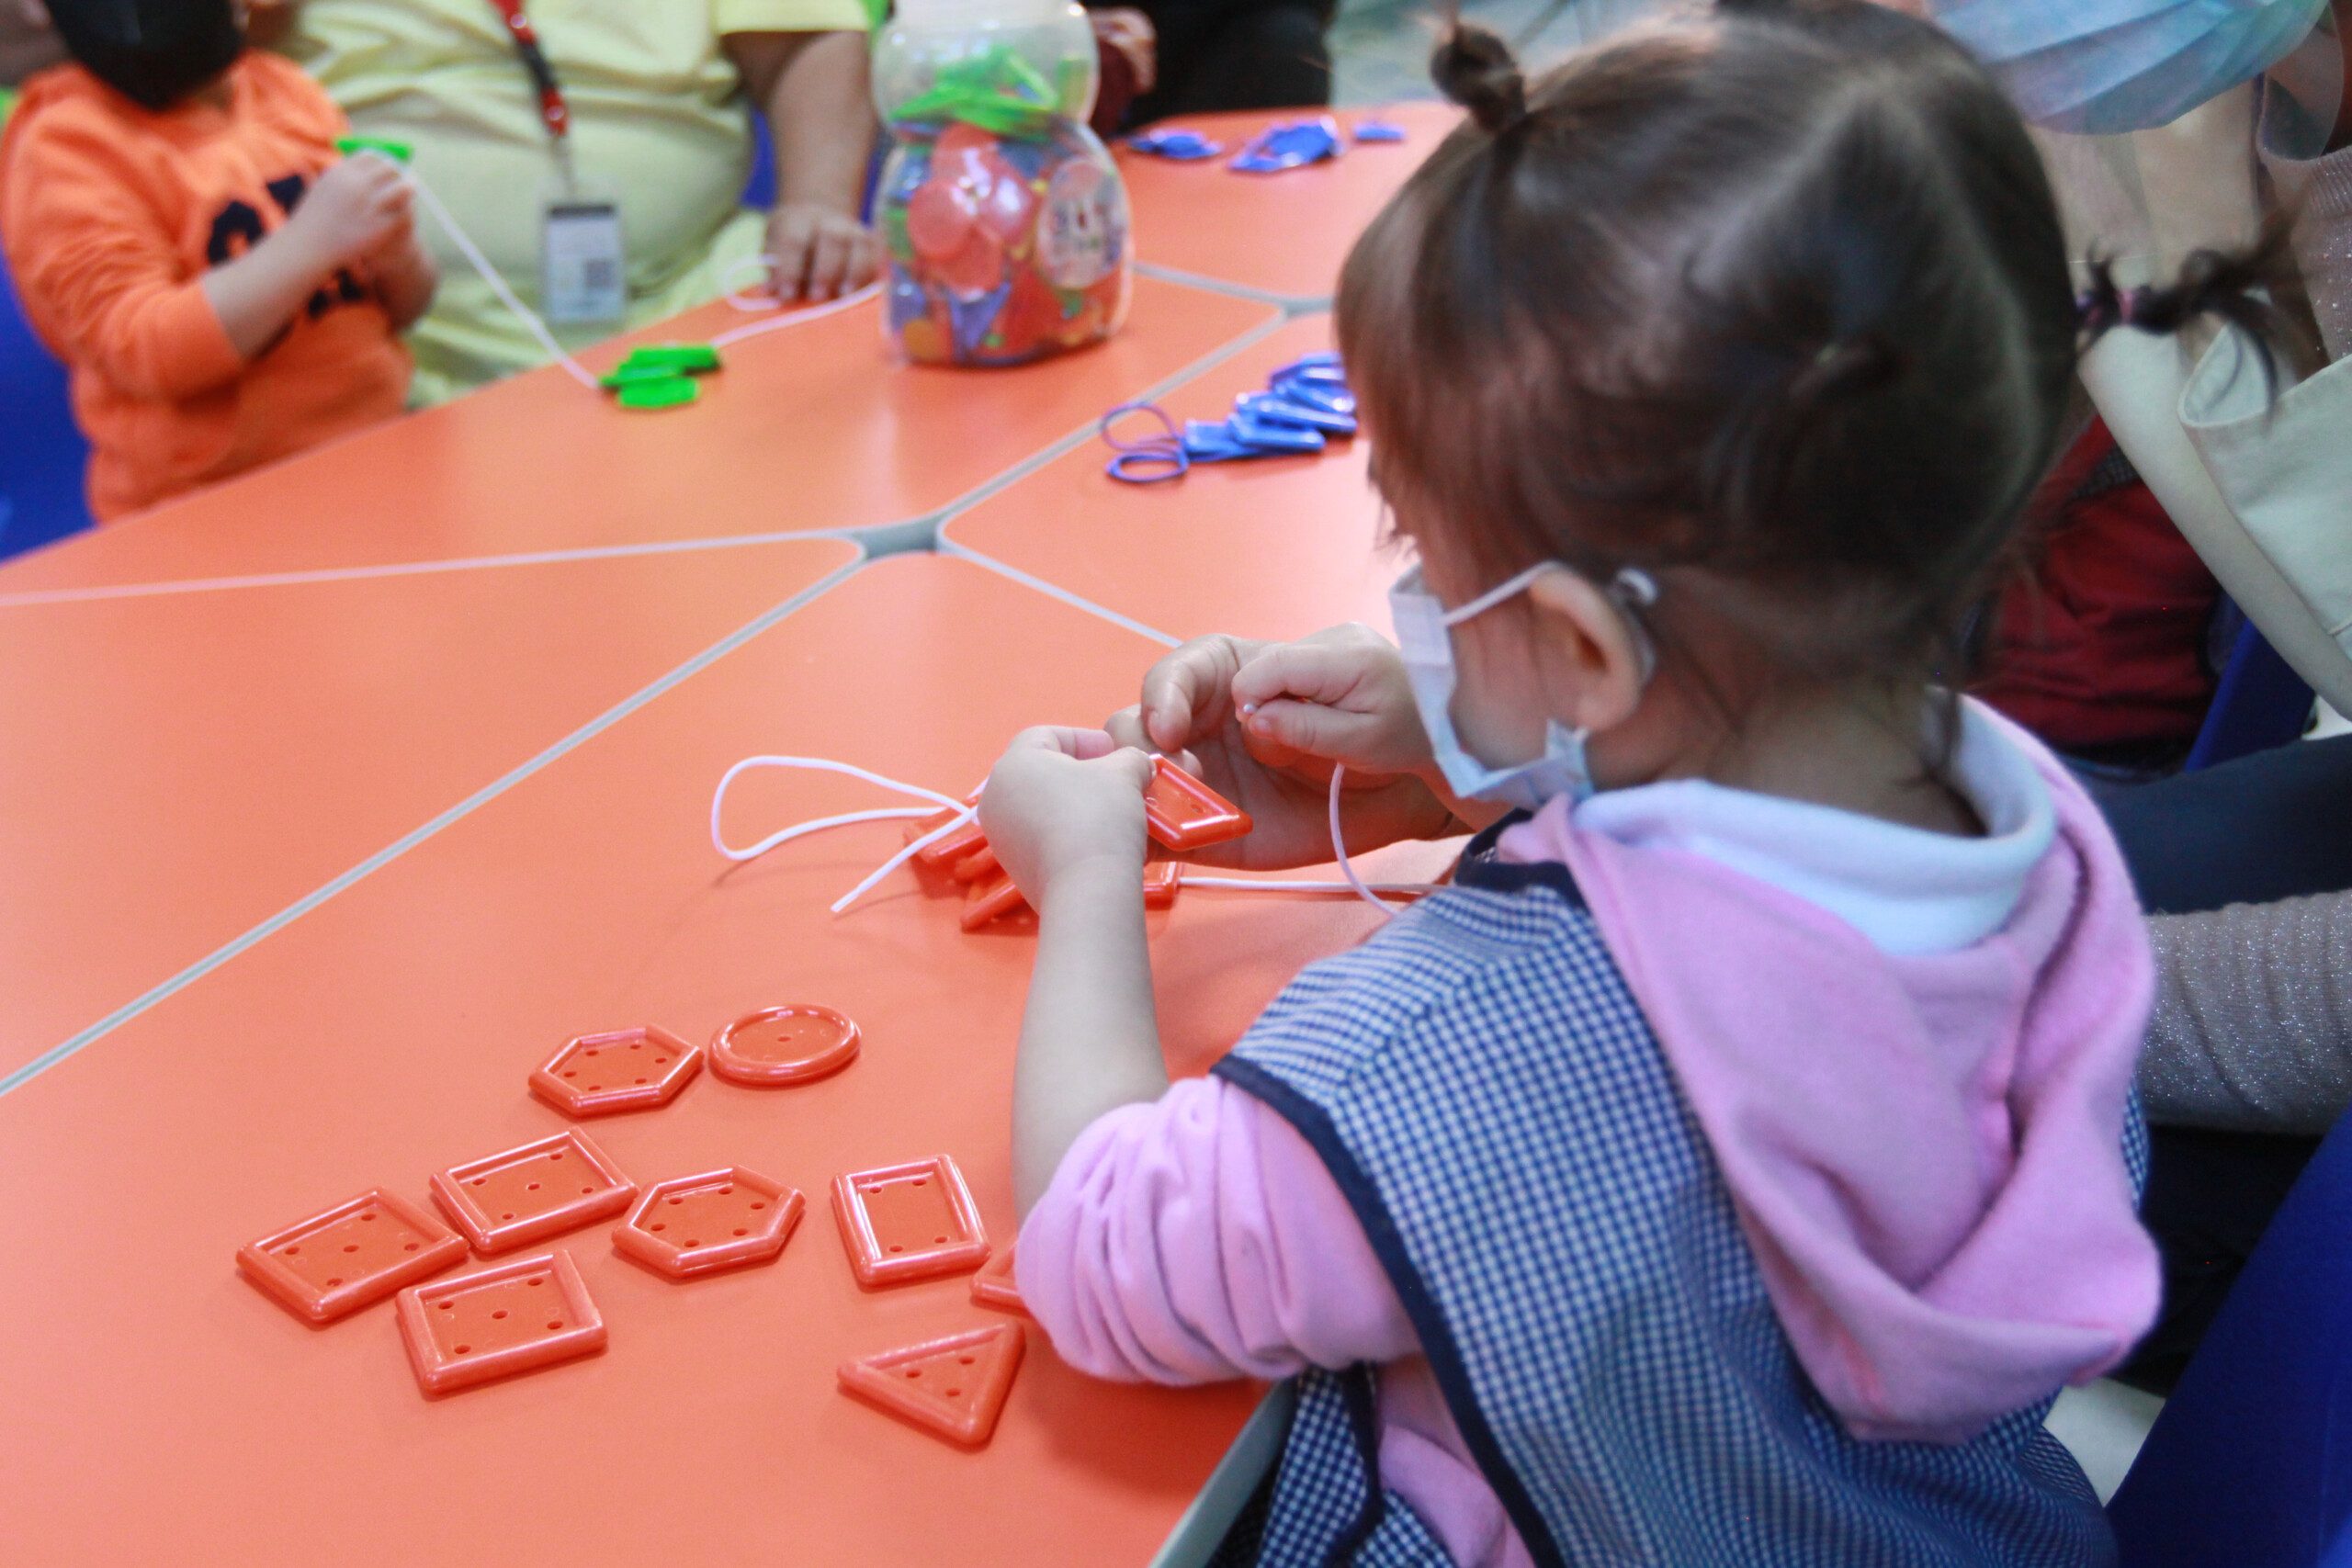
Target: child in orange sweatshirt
column 224, row 287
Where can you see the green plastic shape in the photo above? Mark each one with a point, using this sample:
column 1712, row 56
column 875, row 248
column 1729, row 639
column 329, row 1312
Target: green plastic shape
column 664, row 393
column 398, row 152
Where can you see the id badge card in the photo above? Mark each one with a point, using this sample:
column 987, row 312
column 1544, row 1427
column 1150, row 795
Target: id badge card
column 583, row 261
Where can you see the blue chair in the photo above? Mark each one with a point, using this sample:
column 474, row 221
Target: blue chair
column 2260, row 703
column 42, row 455
column 2250, row 1464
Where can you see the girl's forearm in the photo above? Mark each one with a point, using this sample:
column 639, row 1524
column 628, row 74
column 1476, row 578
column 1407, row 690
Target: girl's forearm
column 258, row 293
column 1090, row 1038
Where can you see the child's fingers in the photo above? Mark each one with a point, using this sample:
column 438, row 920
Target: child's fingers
column 1083, row 744
column 1327, row 673
column 829, row 260
column 1305, row 730
column 1182, row 695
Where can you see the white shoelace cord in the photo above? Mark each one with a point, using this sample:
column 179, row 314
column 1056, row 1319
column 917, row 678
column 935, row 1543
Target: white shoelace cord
column 1370, row 892
column 480, row 264
column 573, row 367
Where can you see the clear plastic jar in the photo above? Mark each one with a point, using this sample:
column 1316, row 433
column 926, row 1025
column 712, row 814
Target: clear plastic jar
column 1004, row 217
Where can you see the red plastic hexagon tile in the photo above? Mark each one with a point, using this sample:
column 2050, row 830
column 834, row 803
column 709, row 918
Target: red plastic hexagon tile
column 1184, row 814
column 908, row 1222
column 993, row 1285
column 778, row 1046
column 358, row 1252
column 511, row 1317
column 692, row 1225
column 542, row 1189
column 622, row 1069
column 955, row 1387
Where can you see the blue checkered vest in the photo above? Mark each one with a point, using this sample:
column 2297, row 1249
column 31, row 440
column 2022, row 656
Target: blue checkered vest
column 1482, row 1086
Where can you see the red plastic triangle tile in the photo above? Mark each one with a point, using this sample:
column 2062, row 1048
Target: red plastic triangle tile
column 955, row 1387
column 1184, row 814
column 993, row 1285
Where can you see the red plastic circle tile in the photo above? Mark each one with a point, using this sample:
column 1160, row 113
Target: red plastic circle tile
column 775, row 1046
column 624, row 1069
column 527, row 1194
column 993, row 1285
column 692, row 1225
column 908, row 1222
column 511, row 1317
column 1184, row 814
column 955, row 1387
column 359, row 1252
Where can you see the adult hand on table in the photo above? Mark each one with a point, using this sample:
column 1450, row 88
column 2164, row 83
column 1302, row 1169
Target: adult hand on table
column 1263, row 723
column 820, row 252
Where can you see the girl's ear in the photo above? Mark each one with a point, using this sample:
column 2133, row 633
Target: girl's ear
column 1589, row 650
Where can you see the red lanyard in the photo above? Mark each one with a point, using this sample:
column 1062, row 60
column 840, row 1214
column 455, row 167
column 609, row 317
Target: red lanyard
column 552, row 108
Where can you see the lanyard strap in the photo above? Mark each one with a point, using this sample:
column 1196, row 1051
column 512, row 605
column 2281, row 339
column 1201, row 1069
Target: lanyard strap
column 553, row 111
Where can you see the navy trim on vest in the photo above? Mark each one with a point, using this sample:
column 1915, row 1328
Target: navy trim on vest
column 1363, row 1419
column 1480, row 868
column 1437, row 1341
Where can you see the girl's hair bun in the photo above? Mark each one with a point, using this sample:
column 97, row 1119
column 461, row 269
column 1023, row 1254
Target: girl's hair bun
column 1474, row 67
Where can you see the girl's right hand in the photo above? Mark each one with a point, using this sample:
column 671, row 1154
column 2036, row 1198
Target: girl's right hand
column 1264, row 724
column 358, row 206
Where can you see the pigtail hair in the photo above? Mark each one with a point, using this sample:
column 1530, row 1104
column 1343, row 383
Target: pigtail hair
column 2231, row 286
column 1474, row 67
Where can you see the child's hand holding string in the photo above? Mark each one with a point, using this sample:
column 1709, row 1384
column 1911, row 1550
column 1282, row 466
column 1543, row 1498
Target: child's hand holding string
column 1062, row 803
column 1264, row 723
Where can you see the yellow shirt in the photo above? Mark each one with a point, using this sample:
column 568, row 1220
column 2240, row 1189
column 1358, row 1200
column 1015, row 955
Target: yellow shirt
column 659, row 121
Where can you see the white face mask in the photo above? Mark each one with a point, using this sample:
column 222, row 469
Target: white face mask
column 1425, row 637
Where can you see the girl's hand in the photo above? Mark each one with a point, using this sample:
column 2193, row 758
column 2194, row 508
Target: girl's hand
column 1265, row 723
column 360, row 205
column 1060, row 800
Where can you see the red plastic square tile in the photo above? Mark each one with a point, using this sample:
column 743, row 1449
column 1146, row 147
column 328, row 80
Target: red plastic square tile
column 985, row 902
column 1161, row 878
column 693, row 1226
column 775, row 1046
column 527, row 1194
column 358, row 1252
column 908, row 1222
column 511, row 1317
column 624, row 1069
column 955, row 1387
column 993, row 1286
column 1184, row 814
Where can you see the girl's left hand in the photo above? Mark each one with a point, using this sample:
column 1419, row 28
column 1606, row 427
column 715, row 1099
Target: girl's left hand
column 1060, row 798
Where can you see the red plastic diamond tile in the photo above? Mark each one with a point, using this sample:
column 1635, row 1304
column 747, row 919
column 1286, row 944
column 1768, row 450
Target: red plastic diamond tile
column 955, row 1387
column 993, row 1286
column 527, row 1194
column 358, row 1252
column 1161, row 880
column 908, row 1222
column 511, row 1317
column 624, row 1069
column 988, row 901
column 775, row 1046
column 1184, row 814
column 693, row 1226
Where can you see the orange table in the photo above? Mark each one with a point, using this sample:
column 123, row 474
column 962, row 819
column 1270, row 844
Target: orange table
column 1283, row 236
column 806, row 429
column 165, row 1411
column 1272, row 547
column 176, row 770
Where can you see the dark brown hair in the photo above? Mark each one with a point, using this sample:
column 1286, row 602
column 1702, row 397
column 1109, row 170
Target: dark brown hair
column 1771, row 302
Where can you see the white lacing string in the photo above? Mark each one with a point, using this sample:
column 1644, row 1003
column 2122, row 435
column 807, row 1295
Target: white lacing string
column 547, row 339
column 1370, row 892
column 480, row 263
column 796, row 318
column 735, row 295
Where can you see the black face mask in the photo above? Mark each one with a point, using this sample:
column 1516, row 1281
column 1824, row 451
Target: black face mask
column 152, row 52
